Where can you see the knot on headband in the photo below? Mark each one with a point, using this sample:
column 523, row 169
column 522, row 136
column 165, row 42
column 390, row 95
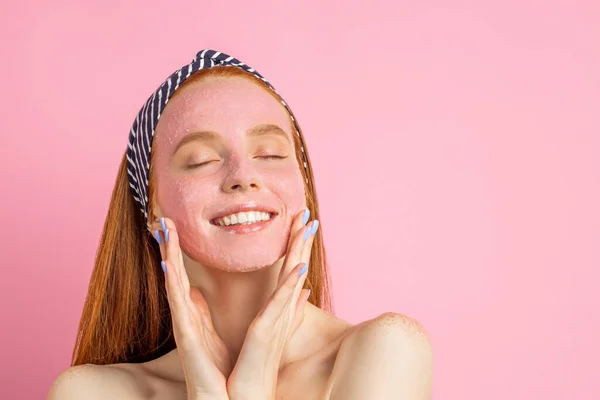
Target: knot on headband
column 141, row 134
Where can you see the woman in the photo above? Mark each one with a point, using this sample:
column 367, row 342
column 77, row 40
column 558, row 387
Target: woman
column 210, row 279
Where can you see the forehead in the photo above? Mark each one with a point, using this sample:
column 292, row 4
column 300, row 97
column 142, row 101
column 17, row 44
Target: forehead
column 223, row 105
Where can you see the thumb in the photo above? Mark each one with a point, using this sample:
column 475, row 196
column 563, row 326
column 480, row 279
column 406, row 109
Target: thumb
column 201, row 306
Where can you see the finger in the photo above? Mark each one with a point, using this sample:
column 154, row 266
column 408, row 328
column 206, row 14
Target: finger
column 170, row 249
column 177, row 303
column 162, row 231
column 183, row 317
column 158, row 235
column 201, row 307
column 307, row 249
column 300, row 305
column 294, row 252
column 173, row 254
column 286, row 294
column 298, row 223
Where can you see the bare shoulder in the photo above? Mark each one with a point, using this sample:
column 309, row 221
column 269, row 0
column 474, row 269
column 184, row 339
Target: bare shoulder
column 394, row 326
column 388, row 331
column 389, row 356
column 95, row 382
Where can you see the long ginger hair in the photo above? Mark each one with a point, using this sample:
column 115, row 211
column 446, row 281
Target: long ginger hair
column 126, row 315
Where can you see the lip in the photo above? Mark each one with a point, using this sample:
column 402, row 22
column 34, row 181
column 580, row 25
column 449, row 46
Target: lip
column 242, row 207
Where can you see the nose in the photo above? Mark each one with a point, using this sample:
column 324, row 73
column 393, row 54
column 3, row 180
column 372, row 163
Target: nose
column 241, row 176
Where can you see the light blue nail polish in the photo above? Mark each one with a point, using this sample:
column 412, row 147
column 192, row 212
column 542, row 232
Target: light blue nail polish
column 305, row 216
column 162, row 224
column 164, row 266
column 157, row 236
column 167, row 236
column 306, row 234
column 304, row 269
column 314, row 227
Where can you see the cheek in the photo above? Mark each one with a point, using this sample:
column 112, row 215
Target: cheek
column 288, row 185
column 182, row 201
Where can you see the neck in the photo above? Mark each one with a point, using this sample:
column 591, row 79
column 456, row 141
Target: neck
column 234, row 299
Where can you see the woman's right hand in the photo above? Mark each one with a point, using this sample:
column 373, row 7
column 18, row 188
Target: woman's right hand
column 204, row 356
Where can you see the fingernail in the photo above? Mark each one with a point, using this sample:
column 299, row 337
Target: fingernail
column 315, row 226
column 157, row 236
column 308, row 294
column 164, row 266
column 307, row 233
column 303, row 270
column 305, row 216
column 162, row 224
column 167, row 236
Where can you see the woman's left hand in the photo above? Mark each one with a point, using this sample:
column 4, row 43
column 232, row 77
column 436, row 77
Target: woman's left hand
column 254, row 376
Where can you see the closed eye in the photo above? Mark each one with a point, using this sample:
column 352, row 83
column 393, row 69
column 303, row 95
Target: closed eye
column 202, row 164
column 272, row 157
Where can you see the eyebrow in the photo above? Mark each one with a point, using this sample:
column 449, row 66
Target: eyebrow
column 259, row 130
column 267, row 129
column 192, row 137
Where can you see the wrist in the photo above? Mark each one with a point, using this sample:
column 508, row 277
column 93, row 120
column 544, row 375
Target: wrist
column 251, row 393
column 251, row 396
column 209, row 397
column 257, row 384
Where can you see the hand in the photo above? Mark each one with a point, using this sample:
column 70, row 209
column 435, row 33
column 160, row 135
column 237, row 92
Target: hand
column 255, row 373
column 204, row 356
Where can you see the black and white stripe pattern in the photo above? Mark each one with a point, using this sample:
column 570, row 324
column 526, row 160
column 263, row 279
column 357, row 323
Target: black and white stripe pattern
column 142, row 131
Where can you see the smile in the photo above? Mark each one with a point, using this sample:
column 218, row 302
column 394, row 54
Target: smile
column 243, row 218
column 244, row 222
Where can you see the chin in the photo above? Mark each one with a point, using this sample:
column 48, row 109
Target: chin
column 240, row 259
column 251, row 260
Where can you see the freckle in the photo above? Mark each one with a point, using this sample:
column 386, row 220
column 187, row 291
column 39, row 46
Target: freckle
column 409, row 325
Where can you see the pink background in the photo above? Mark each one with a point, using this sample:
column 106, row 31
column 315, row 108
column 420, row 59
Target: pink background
column 457, row 151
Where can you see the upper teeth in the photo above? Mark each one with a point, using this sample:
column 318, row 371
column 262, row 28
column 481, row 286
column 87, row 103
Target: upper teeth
column 247, row 217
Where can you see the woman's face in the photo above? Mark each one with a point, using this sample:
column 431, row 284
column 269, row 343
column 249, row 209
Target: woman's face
column 222, row 145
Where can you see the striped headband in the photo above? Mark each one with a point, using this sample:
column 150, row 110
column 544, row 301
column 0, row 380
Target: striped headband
column 142, row 130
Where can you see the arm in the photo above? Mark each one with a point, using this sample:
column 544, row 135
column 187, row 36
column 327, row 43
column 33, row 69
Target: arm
column 389, row 357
